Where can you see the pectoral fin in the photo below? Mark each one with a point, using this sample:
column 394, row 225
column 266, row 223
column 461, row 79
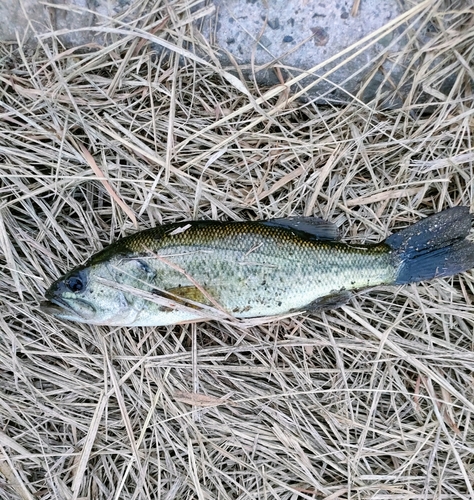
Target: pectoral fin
column 184, row 295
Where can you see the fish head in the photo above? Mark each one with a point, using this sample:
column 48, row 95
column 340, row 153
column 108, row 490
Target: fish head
column 87, row 295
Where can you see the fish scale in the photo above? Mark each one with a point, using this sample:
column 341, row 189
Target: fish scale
column 251, row 269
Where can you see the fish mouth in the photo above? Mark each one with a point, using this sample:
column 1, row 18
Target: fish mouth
column 63, row 309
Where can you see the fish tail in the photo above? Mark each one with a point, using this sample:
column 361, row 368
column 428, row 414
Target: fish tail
column 433, row 247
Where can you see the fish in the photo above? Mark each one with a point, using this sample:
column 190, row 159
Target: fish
column 193, row 271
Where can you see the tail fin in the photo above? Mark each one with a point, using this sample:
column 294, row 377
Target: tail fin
column 434, row 247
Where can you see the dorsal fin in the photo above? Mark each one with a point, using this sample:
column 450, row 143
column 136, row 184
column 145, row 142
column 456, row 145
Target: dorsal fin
column 313, row 227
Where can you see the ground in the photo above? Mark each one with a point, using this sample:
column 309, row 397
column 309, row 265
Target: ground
column 371, row 400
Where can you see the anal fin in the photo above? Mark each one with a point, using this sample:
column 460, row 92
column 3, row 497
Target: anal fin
column 331, row 301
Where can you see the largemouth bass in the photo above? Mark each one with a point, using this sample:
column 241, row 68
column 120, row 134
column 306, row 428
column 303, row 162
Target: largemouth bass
column 176, row 273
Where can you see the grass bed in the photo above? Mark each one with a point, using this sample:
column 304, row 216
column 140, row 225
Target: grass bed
column 373, row 400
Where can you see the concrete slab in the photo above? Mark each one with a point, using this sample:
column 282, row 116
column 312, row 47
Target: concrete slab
column 264, row 37
column 270, row 41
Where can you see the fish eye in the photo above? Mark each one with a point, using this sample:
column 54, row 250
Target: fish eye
column 75, row 284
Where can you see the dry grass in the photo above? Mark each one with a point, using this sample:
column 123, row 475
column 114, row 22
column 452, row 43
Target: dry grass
column 374, row 400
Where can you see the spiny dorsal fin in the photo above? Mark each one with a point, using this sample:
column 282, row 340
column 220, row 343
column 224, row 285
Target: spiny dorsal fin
column 314, row 227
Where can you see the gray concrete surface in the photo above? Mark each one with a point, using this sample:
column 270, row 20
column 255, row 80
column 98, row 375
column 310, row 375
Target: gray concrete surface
column 260, row 35
column 26, row 19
